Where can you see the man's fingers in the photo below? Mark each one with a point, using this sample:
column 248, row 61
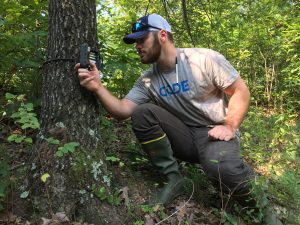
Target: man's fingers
column 82, row 70
column 221, row 133
column 93, row 66
column 77, row 66
column 214, row 132
column 85, row 80
column 83, row 76
column 227, row 138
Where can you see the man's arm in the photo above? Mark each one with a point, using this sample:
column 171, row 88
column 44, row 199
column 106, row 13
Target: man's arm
column 237, row 109
column 118, row 108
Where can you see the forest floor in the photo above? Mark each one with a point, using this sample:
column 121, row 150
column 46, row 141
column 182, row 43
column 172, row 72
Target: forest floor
column 136, row 180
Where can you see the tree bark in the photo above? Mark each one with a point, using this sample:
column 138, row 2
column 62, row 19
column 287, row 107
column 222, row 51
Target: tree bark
column 65, row 104
column 69, row 113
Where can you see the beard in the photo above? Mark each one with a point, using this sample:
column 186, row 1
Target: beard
column 153, row 53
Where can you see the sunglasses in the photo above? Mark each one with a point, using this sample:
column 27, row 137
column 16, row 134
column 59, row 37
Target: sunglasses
column 142, row 27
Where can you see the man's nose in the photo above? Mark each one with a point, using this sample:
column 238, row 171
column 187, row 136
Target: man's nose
column 137, row 45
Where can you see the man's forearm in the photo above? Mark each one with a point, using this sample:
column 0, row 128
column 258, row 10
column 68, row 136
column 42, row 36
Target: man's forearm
column 118, row 108
column 237, row 108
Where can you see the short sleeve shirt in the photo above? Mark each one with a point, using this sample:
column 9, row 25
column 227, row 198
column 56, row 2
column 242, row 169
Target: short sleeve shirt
column 194, row 92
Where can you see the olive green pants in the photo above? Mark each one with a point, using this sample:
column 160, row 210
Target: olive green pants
column 220, row 160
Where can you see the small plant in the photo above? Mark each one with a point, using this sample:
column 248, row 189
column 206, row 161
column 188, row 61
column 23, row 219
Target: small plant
column 62, row 150
column 24, row 116
column 53, row 141
column 112, row 198
column 114, row 160
column 19, row 138
column 67, row 148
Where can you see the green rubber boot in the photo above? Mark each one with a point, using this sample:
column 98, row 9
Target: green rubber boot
column 161, row 155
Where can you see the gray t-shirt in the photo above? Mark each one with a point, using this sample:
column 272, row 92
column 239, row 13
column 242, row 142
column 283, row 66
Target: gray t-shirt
column 195, row 93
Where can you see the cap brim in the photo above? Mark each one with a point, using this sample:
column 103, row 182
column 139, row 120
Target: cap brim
column 131, row 38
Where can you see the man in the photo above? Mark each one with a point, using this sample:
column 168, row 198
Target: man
column 180, row 109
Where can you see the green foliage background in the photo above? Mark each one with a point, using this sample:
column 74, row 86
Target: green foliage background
column 260, row 38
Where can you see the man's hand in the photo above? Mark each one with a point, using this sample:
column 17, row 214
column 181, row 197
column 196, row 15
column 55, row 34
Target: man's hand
column 222, row 132
column 90, row 79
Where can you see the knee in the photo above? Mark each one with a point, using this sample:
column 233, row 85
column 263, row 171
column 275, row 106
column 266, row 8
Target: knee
column 216, row 168
column 233, row 174
column 145, row 123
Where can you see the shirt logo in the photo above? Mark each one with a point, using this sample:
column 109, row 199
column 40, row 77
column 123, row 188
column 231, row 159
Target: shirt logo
column 174, row 89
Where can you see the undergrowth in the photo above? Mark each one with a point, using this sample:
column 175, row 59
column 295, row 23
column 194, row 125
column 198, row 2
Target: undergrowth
column 269, row 142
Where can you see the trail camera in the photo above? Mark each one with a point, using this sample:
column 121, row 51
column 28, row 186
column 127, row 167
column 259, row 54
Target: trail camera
column 86, row 54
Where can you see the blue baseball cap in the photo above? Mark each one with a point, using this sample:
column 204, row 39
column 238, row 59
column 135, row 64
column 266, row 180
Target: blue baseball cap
column 146, row 24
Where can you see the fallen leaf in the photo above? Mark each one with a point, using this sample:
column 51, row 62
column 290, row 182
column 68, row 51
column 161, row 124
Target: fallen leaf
column 45, row 221
column 149, row 220
column 61, row 217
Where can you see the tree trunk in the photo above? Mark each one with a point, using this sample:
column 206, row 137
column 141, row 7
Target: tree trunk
column 69, row 113
column 66, row 104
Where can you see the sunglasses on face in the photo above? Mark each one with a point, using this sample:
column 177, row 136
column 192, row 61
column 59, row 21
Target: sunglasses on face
column 142, row 27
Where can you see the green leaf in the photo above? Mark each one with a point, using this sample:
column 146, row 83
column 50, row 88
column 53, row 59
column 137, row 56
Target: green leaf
column 19, row 139
column 28, row 106
column 101, row 193
column 15, row 115
column 25, row 126
column 24, row 194
column 28, row 140
column 59, row 153
column 70, row 147
column 44, row 177
column 64, row 149
column 12, row 137
column 53, row 141
column 112, row 159
column 10, row 96
column 61, row 149
column 72, row 144
column 247, row 134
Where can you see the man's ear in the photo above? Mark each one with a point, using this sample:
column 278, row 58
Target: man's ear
column 163, row 35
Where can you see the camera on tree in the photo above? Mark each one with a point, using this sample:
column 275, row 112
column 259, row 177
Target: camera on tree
column 86, row 54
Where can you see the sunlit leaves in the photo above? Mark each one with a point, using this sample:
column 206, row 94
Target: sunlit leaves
column 23, row 27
